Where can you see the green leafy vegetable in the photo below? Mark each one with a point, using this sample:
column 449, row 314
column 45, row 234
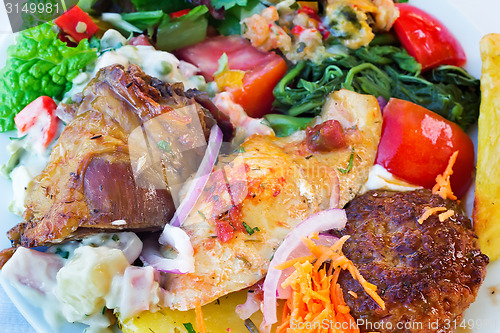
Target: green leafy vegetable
column 284, row 125
column 188, row 29
column 166, row 6
column 38, row 64
column 227, row 3
column 235, row 11
column 144, row 20
column 380, row 70
column 223, row 64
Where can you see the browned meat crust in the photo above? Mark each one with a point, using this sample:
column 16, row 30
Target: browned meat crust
column 89, row 182
column 427, row 274
column 5, row 255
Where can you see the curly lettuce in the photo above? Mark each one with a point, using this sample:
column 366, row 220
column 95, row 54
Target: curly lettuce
column 39, row 64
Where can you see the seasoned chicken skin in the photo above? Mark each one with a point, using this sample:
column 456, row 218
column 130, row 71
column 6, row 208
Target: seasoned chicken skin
column 256, row 196
column 89, row 181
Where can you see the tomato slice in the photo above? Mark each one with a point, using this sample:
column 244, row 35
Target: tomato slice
column 426, row 39
column 77, row 24
column 416, row 145
column 263, row 70
column 41, row 110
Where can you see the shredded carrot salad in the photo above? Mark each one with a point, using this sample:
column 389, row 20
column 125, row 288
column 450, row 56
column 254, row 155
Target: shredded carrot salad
column 199, row 319
column 443, row 186
column 428, row 212
column 317, row 303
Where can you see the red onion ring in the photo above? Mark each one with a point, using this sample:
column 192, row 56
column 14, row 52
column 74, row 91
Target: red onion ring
column 322, row 221
column 199, row 181
column 382, row 102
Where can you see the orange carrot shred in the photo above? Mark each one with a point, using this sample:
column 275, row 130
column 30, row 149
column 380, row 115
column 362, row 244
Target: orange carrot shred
column 316, row 295
column 199, row 319
column 428, row 212
column 443, row 186
column 443, row 216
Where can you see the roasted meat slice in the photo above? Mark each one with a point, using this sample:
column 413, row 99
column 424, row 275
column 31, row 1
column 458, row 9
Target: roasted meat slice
column 427, row 273
column 91, row 181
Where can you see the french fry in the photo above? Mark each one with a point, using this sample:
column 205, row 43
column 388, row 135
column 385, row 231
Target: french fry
column 486, row 214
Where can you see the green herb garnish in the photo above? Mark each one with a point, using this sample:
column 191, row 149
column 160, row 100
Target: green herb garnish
column 349, row 166
column 202, row 215
column 62, row 253
column 166, row 147
column 249, row 229
column 189, row 327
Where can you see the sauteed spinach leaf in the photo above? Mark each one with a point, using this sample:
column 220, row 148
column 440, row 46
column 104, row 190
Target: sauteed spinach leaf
column 381, row 70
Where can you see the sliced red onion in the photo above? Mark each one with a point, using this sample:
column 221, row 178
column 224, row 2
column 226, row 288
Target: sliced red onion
column 335, row 194
column 382, row 102
column 179, row 240
column 301, row 251
column 200, row 180
column 322, row 221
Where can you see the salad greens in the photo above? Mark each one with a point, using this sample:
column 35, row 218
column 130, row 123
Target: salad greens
column 284, row 125
column 380, row 70
column 39, row 64
column 176, row 5
column 187, row 29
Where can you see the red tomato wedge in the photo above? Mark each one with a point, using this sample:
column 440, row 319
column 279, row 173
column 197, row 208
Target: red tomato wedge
column 426, row 39
column 77, row 24
column 41, row 110
column 416, row 145
column 263, row 70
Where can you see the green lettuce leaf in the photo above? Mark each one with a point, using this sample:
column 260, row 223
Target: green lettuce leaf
column 39, row 64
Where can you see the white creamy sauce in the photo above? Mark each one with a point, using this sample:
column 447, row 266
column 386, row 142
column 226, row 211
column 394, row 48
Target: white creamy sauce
column 381, row 179
column 33, row 274
column 78, row 281
column 160, row 64
column 34, row 158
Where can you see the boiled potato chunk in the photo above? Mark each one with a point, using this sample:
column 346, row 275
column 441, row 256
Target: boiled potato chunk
column 487, row 199
column 219, row 318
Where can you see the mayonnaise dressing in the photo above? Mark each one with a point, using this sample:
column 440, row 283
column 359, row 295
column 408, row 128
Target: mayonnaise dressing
column 381, row 179
column 160, row 64
column 79, row 281
column 33, row 159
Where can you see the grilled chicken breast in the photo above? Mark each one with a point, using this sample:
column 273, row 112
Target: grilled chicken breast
column 256, row 196
column 90, row 180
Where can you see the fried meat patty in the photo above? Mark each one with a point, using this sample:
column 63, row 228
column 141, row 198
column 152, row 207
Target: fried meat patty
column 427, row 273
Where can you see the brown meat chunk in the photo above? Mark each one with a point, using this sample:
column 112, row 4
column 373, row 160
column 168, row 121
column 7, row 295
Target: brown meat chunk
column 426, row 273
column 89, row 181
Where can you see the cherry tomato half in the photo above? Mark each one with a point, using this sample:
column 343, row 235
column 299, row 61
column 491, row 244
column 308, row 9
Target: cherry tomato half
column 426, row 39
column 416, row 145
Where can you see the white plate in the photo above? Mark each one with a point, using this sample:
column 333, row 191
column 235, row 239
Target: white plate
column 468, row 20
